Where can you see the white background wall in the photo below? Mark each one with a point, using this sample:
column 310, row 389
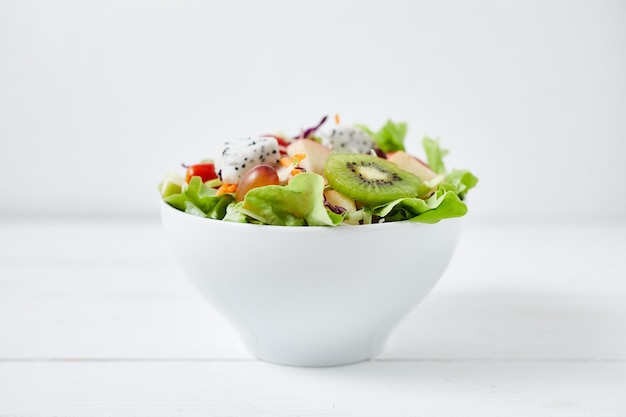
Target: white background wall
column 99, row 99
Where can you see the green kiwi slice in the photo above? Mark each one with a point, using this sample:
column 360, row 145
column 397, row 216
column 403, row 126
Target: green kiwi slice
column 369, row 179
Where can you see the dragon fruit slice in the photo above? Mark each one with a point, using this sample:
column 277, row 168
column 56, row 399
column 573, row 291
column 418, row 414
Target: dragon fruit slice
column 348, row 139
column 238, row 156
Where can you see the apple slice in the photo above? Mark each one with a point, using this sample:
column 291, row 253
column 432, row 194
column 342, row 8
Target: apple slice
column 172, row 184
column 316, row 154
column 337, row 199
column 413, row 165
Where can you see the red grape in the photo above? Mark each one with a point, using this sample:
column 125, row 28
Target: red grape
column 258, row 176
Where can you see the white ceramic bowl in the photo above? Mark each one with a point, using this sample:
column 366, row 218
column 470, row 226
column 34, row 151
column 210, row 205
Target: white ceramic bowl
column 312, row 296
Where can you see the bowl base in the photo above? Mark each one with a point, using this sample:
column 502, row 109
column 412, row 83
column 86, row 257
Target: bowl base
column 308, row 357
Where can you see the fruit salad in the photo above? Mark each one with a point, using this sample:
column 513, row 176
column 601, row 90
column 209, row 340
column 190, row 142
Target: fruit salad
column 330, row 174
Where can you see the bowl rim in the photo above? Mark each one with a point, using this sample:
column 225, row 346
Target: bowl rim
column 208, row 220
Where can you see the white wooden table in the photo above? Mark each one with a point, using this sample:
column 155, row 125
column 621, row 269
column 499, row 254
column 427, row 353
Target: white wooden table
column 96, row 319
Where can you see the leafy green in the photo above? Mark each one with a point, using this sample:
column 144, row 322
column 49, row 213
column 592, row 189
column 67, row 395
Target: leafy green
column 458, row 180
column 191, row 208
column 390, row 137
column 361, row 216
column 461, row 181
column 299, row 203
column 200, row 200
column 234, row 214
column 434, row 154
column 446, row 201
column 443, row 204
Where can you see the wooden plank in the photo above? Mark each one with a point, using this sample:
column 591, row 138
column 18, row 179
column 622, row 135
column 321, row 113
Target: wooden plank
column 578, row 259
column 88, row 311
column 242, row 388
column 504, row 325
column 533, row 257
column 108, row 312
column 97, row 319
column 54, row 242
column 93, row 297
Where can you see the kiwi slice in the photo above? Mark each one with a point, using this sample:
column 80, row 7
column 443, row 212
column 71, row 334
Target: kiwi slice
column 369, row 179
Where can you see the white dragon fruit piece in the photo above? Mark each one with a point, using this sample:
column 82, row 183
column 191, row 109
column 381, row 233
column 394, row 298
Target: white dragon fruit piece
column 348, row 139
column 236, row 157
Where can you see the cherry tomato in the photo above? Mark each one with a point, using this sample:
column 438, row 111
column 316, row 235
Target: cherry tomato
column 205, row 171
column 282, row 142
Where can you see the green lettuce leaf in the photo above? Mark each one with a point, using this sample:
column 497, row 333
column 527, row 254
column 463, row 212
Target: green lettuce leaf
column 361, row 216
column 200, row 200
column 299, row 203
column 390, row 137
column 191, row 208
column 461, row 181
column 233, row 214
column 458, row 180
column 443, row 204
column 434, row 154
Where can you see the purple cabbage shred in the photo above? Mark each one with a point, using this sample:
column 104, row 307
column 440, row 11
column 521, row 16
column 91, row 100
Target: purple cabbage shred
column 310, row 131
column 335, row 209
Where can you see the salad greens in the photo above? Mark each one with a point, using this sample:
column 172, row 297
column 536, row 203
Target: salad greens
column 287, row 186
column 443, row 204
column 200, row 200
column 434, row 155
column 299, row 203
column 390, row 137
column 459, row 181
